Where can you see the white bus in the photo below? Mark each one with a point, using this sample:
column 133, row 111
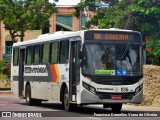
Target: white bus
column 102, row 66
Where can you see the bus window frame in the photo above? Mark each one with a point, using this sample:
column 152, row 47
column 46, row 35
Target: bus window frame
column 27, row 46
column 50, row 52
column 66, row 62
column 42, row 53
column 39, row 61
column 17, row 62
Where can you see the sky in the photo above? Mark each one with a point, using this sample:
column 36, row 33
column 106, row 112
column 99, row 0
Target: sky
column 66, row 2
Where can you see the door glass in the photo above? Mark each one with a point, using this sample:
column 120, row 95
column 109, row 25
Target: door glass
column 64, row 52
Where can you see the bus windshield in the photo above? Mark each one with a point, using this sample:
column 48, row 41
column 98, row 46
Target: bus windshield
column 112, row 60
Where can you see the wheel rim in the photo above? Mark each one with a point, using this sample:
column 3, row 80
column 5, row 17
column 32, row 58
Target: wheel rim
column 66, row 100
column 27, row 98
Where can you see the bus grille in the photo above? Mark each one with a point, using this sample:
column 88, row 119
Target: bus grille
column 108, row 95
column 116, row 80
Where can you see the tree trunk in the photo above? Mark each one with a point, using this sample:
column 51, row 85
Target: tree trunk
column 22, row 35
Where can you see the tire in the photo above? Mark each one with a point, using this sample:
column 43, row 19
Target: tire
column 29, row 100
column 116, row 108
column 66, row 103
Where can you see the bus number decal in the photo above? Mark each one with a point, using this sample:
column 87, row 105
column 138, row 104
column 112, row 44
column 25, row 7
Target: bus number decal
column 124, row 89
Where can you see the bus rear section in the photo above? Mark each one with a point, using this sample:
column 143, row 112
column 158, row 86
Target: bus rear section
column 47, row 68
column 112, row 72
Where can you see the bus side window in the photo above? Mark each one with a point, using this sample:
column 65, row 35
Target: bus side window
column 29, row 56
column 54, row 52
column 64, row 52
column 45, row 53
column 15, row 56
column 36, row 60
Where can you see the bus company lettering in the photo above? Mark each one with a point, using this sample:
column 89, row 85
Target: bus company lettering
column 36, row 70
column 39, row 70
column 104, row 88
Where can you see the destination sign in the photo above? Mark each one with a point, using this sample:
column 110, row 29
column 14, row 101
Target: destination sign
column 112, row 36
column 98, row 36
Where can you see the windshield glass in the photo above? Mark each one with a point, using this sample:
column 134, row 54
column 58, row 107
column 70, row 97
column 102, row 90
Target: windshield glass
column 120, row 60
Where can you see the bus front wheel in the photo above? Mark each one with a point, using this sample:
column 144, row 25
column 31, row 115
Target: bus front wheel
column 67, row 105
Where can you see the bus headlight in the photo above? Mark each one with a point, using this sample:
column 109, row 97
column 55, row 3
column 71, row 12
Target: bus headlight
column 92, row 90
column 89, row 88
column 138, row 89
column 85, row 85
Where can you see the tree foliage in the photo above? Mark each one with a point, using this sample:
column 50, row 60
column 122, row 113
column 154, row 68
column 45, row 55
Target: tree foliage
column 19, row 16
column 140, row 15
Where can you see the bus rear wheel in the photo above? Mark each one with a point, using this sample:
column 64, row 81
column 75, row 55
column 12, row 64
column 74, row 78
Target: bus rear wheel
column 66, row 103
column 29, row 100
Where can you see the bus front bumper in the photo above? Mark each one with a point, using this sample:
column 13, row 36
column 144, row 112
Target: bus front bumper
column 88, row 97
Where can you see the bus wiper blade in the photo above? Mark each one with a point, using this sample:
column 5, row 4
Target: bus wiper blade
column 125, row 51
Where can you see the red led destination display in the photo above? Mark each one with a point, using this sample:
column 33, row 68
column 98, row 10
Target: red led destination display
column 98, row 36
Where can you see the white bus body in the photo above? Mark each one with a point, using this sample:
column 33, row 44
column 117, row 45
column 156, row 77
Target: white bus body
column 59, row 67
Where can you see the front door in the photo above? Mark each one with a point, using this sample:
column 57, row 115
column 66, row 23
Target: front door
column 74, row 74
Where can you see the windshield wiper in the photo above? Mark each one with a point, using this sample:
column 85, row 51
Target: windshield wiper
column 125, row 51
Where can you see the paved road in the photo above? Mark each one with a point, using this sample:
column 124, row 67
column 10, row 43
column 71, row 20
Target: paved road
column 11, row 103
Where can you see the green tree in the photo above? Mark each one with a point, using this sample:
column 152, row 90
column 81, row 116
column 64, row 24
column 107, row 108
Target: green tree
column 140, row 15
column 153, row 48
column 19, row 16
column 97, row 6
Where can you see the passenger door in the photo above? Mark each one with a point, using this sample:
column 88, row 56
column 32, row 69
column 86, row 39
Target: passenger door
column 21, row 72
column 74, row 71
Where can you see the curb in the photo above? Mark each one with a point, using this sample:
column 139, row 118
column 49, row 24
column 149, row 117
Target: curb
column 5, row 91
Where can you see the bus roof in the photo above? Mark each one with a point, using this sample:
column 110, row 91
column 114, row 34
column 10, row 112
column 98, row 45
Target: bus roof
column 49, row 36
column 63, row 34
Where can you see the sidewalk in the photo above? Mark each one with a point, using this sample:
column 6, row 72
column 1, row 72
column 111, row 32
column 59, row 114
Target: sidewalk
column 141, row 108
